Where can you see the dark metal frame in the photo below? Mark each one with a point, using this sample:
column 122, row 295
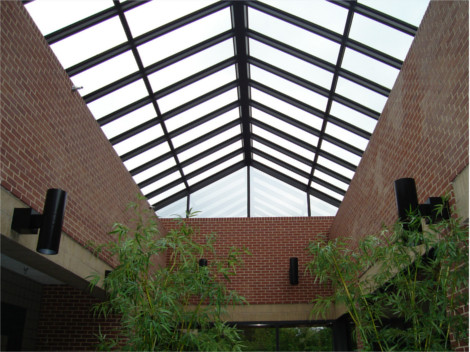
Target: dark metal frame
column 242, row 61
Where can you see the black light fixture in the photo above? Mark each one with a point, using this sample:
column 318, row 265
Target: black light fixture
column 49, row 224
column 407, row 201
column 294, row 271
column 203, row 262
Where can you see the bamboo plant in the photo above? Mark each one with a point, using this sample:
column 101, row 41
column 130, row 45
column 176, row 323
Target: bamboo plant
column 403, row 288
column 175, row 307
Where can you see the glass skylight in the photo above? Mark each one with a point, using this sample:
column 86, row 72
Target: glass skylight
column 184, row 37
column 240, row 108
column 89, row 42
column 195, row 89
column 294, row 36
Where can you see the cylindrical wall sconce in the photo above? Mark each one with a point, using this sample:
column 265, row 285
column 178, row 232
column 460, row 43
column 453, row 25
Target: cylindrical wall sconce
column 203, row 262
column 28, row 221
column 294, row 271
column 53, row 218
column 406, row 197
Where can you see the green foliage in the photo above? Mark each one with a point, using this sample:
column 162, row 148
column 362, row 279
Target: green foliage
column 306, row 339
column 174, row 307
column 403, row 287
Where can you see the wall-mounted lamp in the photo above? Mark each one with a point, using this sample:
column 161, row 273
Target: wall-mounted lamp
column 407, row 200
column 49, row 224
column 294, row 271
column 203, row 262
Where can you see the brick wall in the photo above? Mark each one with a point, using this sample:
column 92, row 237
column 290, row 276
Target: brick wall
column 264, row 278
column 67, row 322
column 423, row 130
column 49, row 139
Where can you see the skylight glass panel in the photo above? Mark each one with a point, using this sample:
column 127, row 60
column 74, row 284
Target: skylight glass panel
column 286, row 109
column 340, row 152
column 51, row 15
column 190, row 65
column 89, row 42
column 289, row 88
column 211, row 142
column 161, row 182
column 105, row 73
column 319, row 207
column 208, row 173
column 158, row 13
column 212, row 157
column 234, row 202
column 139, row 139
column 280, row 169
column 405, row 10
column 360, row 94
column 285, row 127
column 294, row 36
column 185, row 37
column 281, row 156
column 283, row 142
column 197, row 89
column 380, row 36
column 154, row 170
column 118, row 99
column 146, row 156
column 335, row 167
column 353, row 117
column 174, row 210
column 369, row 68
column 129, row 121
column 290, row 63
column 161, row 196
column 327, row 191
column 331, row 180
column 271, row 197
column 202, row 109
column 202, row 129
column 322, row 13
column 346, row 136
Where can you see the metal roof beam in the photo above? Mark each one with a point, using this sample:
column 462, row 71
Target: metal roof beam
column 299, row 172
column 197, row 186
column 148, row 124
column 381, row 17
column 90, row 21
column 146, row 100
column 199, row 100
column 296, row 184
column 302, row 144
column 144, row 38
column 286, row 98
column 326, row 33
column 319, row 62
column 240, row 24
column 285, row 118
column 155, row 67
column 182, row 148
